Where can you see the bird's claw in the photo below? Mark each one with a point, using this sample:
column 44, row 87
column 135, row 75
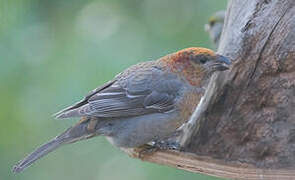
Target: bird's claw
column 166, row 145
column 144, row 149
column 155, row 146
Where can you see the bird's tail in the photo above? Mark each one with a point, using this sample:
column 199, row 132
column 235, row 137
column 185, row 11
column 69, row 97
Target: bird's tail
column 71, row 135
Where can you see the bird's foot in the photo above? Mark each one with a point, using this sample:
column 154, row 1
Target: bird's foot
column 166, row 145
column 155, row 146
column 142, row 150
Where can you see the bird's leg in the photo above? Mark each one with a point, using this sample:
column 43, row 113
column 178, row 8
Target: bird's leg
column 155, row 146
column 166, row 145
column 143, row 149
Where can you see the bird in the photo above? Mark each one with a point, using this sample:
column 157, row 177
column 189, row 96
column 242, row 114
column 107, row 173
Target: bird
column 215, row 26
column 145, row 103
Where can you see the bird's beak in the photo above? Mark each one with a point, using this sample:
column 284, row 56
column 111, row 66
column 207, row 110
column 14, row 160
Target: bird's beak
column 221, row 63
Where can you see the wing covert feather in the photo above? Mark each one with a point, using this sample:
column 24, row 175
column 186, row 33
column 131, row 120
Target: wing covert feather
column 147, row 90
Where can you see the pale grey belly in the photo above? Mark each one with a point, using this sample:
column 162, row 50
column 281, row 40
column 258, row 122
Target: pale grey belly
column 136, row 131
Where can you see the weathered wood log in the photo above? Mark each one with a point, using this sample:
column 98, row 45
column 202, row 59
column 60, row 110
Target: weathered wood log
column 244, row 127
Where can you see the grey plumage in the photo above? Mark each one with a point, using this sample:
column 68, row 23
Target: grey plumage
column 71, row 135
column 153, row 90
column 127, row 107
column 146, row 102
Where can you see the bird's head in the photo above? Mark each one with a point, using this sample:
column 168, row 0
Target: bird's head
column 197, row 64
column 207, row 60
column 215, row 25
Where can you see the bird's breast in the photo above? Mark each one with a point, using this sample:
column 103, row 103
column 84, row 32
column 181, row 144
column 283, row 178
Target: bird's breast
column 188, row 103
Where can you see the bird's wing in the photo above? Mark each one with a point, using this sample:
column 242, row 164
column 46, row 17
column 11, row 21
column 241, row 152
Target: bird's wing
column 135, row 92
column 84, row 100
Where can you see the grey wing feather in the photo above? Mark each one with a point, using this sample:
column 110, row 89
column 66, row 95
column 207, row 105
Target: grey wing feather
column 62, row 113
column 160, row 101
column 149, row 92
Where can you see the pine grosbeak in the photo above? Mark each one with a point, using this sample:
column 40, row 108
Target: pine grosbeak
column 145, row 103
column 215, row 26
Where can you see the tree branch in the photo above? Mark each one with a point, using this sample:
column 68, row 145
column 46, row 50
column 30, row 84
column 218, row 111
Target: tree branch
column 209, row 166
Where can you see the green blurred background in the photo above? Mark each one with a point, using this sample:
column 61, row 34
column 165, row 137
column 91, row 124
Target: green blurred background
column 52, row 52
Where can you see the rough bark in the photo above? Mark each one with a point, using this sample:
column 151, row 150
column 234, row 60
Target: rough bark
column 245, row 122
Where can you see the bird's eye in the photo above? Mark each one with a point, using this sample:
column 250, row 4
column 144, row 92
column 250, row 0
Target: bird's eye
column 203, row 60
column 212, row 22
